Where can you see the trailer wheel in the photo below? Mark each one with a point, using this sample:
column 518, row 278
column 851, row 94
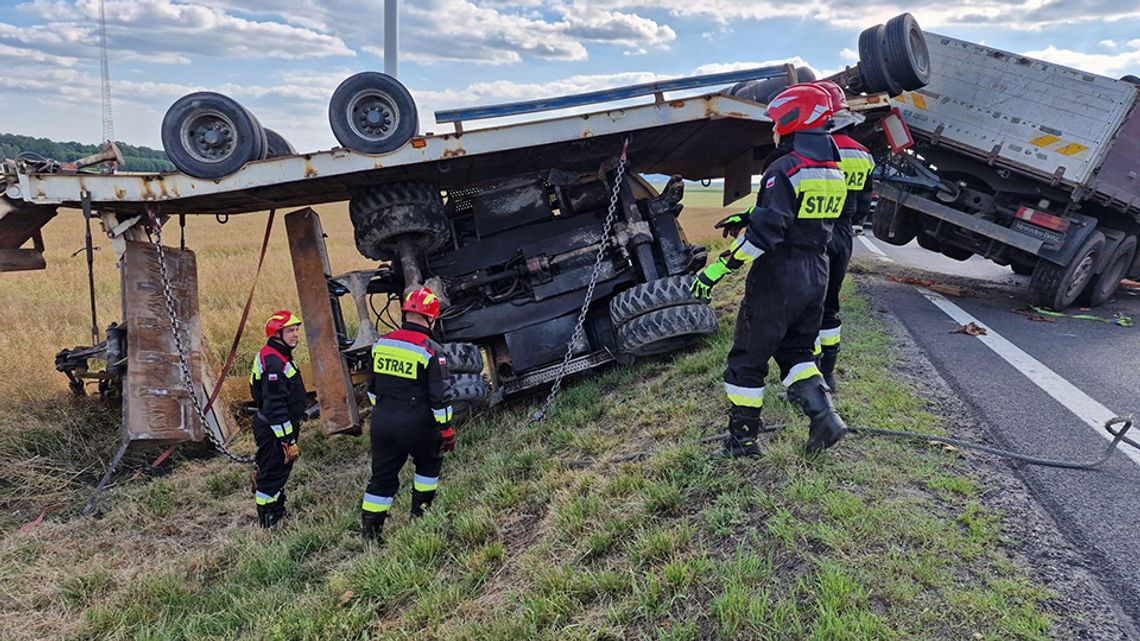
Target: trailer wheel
column 1104, row 285
column 894, row 224
column 383, row 213
column 666, row 330
column 1057, row 286
column 277, row 145
column 873, row 63
column 463, row 358
column 928, row 242
column 208, row 135
column 955, row 253
column 467, row 391
column 908, row 60
column 262, row 145
column 372, row 113
column 648, row 297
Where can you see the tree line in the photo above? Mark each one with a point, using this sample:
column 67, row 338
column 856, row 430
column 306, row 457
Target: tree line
column 137, row 158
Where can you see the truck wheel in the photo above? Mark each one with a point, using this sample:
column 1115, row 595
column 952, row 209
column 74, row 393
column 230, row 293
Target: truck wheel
column 1021, row 269
column 1104, row 285
column 467, row 391
column 666, row 330
column 908, row 60
column 372, row 113
column 208, row 135
column 929, row 243
column 955, row 253
column 381, row 214
column 277, row 145
column 893, row 224
column 648, row 297
column 1057, row 286
column 873, row 63
column 463, row 358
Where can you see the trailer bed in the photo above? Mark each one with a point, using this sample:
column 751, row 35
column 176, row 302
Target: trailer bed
column 696, row 137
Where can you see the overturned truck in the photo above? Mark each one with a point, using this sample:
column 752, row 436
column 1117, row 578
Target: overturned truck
column 551, row 250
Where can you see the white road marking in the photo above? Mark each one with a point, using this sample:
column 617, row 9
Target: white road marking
column 1080, row 404
column 874, row 249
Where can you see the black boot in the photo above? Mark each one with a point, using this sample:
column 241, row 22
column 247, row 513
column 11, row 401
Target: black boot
column 269, row 515
column 421, row 501
column 372, row 526
column 743, row 428
column 825, row 427
column 827, row 366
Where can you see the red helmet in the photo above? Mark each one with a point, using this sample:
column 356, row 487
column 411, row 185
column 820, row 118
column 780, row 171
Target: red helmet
column 279, row 321
column 422, row 301
column 800, row 107
column 835, row 92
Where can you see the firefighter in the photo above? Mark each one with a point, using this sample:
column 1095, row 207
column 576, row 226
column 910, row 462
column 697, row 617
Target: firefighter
column 277, row 389
column 411, row 415
column 857, row 165
column 786, row 233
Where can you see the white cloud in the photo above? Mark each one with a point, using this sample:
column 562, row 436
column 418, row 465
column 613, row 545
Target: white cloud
column 1108, row 65
column 1109, row 44
column 849, row 55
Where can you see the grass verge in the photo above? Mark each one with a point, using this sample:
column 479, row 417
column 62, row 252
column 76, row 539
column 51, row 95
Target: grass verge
column 872, row 540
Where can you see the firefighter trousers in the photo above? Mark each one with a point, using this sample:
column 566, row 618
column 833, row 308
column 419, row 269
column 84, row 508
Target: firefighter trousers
column 397, row 432
column 839, row 256
column 779, row 317
column 272, row 470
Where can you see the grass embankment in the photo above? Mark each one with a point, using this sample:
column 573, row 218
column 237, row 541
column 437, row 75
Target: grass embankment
column 873, row 540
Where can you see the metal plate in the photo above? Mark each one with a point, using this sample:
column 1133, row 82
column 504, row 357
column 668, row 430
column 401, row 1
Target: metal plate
column 156, row 407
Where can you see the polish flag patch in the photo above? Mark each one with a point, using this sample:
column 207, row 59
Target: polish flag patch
column 272, row 377
column 770, row 183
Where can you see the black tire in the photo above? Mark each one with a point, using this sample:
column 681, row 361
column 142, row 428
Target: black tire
column 1022, row 269
column 467, row 391
column 652, row 296
column 873, row 63
column 666, row 330
column 463, row 358
column 1131, row 78
column 1057, row 286
column 929, row 243
column 383, row 213
column 276, row 145
column 908, row 60
column 1104, row 285
column 955, row 253
column 372, row 113
column 208, row 135
column 893, row 224
column 261, row 152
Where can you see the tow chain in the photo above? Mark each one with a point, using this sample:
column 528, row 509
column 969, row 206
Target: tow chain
column 183, row 366
column 579, row 326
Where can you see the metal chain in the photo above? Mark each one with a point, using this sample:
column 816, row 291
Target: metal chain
column 183, row 366
column 579, row 327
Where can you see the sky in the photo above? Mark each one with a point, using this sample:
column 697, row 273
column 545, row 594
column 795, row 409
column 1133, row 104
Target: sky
column 282, row 60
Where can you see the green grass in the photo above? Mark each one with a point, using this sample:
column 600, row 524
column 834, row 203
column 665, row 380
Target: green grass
column 872, row 540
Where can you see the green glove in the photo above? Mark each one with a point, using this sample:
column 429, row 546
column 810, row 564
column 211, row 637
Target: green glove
column 708, row 278
column 734, row 224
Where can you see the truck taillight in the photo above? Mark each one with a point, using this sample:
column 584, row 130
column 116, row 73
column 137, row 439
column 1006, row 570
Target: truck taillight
column 1043, row 219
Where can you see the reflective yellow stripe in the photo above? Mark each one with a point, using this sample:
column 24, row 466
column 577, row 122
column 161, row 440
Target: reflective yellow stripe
column 290, row 371
column 829, row 337
column 744, row 396
column 265, row 499
column 442, row 416
column 373, row 503
column 425, row 483
column 801, row 372
column 371, row 398
column 818, row 349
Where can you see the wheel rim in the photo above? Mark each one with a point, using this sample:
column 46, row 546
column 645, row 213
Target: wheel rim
column 209, row 136
column 920, row 54
column 1081, row 276
column 373, row 115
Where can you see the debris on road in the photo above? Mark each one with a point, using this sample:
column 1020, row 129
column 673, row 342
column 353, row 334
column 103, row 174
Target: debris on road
column 941, row 288
column 1117, row 318
column 971, row 328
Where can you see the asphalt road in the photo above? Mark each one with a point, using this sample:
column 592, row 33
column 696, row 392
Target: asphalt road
column 1098, row 511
